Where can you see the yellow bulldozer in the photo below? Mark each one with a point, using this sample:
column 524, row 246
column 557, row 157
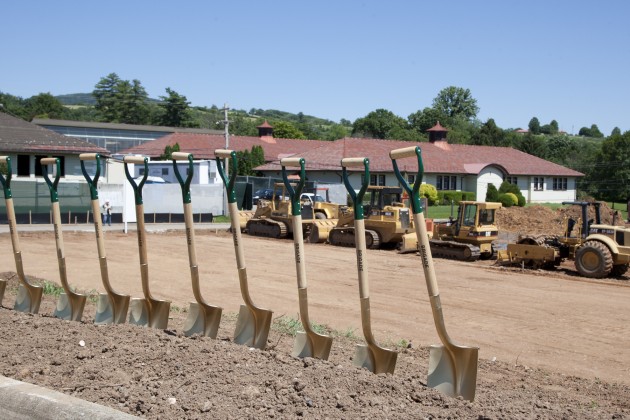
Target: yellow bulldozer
column 468, row 237
column 272, row 218
column 598, row 250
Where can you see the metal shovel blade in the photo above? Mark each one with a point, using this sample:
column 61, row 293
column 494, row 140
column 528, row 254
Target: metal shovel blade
column 111, row 309
column 252, row 327
column 311, row 344
column 375, row 358
column 453, row 370
column 70, row 308
column 139, row 312
column 28, row 299
column 152, row 313
column 203, row 320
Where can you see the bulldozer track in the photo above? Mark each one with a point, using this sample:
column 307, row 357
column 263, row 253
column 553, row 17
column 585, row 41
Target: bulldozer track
column 267, row 228
column 345, row 237
column 454, row 250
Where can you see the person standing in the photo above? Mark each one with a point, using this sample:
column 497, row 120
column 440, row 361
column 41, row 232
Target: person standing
column 107, row 213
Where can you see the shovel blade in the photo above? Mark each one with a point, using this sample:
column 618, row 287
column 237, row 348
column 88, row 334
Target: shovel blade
column 202, row 320
column 70, row 308
column 252, row 327
column 28, row 298
column 453, row 372
column 139, row 312
column 311, row 344
column 158, row 314
column 111, row 309
column 3, row 286
column 374, row 358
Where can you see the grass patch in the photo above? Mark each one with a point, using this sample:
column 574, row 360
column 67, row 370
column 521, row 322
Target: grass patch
column 290, row 326
column 52, row 289
column 221, row 219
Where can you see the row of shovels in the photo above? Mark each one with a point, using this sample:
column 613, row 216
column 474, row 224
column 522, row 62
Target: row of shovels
column 452, row 367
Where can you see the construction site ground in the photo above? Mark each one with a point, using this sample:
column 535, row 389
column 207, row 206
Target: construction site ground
column 552, row 344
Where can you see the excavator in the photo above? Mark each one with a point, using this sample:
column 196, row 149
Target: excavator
column 386, row 220
column 469, row 237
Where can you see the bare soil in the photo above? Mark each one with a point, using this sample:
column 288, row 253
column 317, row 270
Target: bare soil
column 552, row 344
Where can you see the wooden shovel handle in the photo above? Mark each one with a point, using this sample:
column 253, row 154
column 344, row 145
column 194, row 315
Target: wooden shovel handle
column 180, row 155
column 298, row 240
column 48, row 161
column 293, row 161
column 403, row 153
column 223, row 153
column 359, row 237
column 348, row 162
column 134, row 159
column 425, row 254
column 88, row 156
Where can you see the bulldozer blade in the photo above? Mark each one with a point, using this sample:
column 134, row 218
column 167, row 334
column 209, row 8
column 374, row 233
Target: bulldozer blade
column 70, row 307
column 111, row 309
column 374, row 358
column 146, row 313
column 252, row 327
column 311, row 344
column 203, row 319
column 28, row 299
column 453, row 370
column 409, row 243
column 3, row 286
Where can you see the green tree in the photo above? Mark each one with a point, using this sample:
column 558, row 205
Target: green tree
column 492, row 194
column 615, row 131
column 105, row 94
column 379, row 124
column 421, row 121
column 286, row 130
column 489, row 135
column 168, row 151
column 554, row 126
column 121, row 101
column 560, row 149
column 430, row 192
column 249, row 160
column 456, row 102
column 44, row 105
column 534, row 126
column 533, row 145
column 175, row 110
column 611, row 178
column 595, row 131
column 508, row 188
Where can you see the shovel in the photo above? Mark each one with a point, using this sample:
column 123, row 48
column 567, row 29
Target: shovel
column 111, row 307
column 203, row 319
column 452, row 367
column 373, row 357
column 147, row 312
column 307, row 343
column 70, row 304
column 29, row 296
column 253, row 323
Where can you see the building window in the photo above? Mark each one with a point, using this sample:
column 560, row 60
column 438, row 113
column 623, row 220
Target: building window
column 511, row 180
column 560, row 184
column 23, row 165
column 411, row 178
column 539, row 183
column 376, row 179
column 446, row 182
column 141, row 171
column 164, row 171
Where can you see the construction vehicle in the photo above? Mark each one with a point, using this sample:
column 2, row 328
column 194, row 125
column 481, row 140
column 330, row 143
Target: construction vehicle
column 272, row 219
column 469, row 237
column 386, row 220
column 598, row 250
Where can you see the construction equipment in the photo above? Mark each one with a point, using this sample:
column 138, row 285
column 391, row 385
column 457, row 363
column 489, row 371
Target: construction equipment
column 469, row 237
column 452, row 367
column 386, row 220
column 371, row 356
column 70, row 304
column 598, row 250
column 253, row 323
column 29, row 296
column 111, row 306
column 272, row 219
column 203, row 319
column 147, row 311
column 308, row 343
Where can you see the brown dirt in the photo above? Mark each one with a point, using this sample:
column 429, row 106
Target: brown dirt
column 552, row 345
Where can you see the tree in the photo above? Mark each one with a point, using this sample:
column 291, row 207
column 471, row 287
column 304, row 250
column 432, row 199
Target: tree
column 105, row 95
column 168, row 151
column 595, row 131
column 379, row 124
column 611, row 178
column 554, row 126
column 492, row 194
column 121, row 101
column 534, row 145
column 421, row 121
column 489, row 135
column 456, row 102
column 615, row 131
column 534, row 126
column 508, row 188
column 286, row 130
column 175, row 108
column 247, row 160
column 44, row 105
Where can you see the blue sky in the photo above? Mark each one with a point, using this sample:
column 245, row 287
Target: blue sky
column 562, row 60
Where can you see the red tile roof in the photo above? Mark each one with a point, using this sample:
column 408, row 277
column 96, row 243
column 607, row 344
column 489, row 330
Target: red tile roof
column 202, row 146
column 436, row 158
column 438, row 127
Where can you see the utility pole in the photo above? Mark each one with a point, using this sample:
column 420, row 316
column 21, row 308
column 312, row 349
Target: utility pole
column 226, row 132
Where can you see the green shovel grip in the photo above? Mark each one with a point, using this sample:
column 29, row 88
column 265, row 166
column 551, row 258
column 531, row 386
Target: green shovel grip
column 294, row 194
column 414, row 192
column 92, row 181
column 357, row 199
column 6, row 182
column 185, row 184
column 221, row 155
column 137, row 188
column 52, row 185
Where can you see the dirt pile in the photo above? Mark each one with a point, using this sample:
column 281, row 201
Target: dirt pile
column 162, row 374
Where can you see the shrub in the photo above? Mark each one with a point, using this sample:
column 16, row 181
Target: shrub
column 506, row 187
column 492, row 195
column 508, row 199
column 429, row 191
column 445, row 197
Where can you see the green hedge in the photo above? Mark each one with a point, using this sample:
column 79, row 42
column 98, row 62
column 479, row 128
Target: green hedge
column 445, row 197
